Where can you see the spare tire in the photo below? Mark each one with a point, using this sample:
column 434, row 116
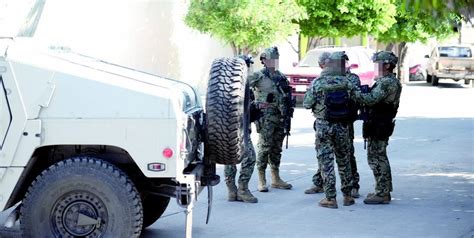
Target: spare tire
column 227, row 115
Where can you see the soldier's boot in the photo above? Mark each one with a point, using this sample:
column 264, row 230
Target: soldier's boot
column 314, row 189
column 231, row 191
column 244, row 194
column 372, row 198
column 355, row 193
column 262, row 181
column 328, row 202
column 348, row 200
column 277, row 182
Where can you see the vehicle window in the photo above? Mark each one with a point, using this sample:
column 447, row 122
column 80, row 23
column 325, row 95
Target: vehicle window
column 311, row 59
column 454, row 51
column 5, row 115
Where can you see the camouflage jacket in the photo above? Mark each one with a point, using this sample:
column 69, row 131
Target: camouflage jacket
column 386, row 89
column 328, row 81
column 263, row 83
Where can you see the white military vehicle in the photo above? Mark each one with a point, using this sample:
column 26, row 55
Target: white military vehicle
column 93, row 149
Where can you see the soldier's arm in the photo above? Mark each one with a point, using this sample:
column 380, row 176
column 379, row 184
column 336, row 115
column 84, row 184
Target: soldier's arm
column 253, row 79
column 308, row 100
column 377, row 94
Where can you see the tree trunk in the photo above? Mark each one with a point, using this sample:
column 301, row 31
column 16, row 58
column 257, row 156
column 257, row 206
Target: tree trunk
column 402, row 64
column 389, row 47
column 313, row 42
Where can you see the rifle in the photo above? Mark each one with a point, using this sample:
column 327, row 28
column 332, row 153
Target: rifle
column 364, row 112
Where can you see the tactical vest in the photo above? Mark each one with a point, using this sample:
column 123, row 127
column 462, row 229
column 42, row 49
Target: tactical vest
column 339, row 106
column 380, row 123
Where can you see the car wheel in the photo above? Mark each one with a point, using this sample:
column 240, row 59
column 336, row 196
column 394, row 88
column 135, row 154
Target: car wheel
column 81, row 197
column 227, row 116
column 434, row 80
column 153, row 207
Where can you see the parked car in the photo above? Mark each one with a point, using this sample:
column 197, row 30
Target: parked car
column 304, row 72
column 451, row 62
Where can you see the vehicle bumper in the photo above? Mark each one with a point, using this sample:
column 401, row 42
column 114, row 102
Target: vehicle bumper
column 460, row 75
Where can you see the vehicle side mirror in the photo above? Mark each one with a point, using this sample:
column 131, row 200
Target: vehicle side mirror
column 427, row 56
column 295, row 64
column 354, row 66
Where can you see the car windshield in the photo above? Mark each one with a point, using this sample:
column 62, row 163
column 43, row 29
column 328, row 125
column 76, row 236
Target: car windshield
column 454, row 51
column 312, row 57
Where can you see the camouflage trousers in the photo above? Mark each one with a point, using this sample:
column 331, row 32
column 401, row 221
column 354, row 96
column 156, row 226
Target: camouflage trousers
column 332, row 140
column 246, row 166
column 378, row 162
column 318, row 179
column 271, row 136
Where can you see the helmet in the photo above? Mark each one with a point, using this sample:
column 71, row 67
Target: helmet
column 270, row 53
column 339, row 55
column 323, row 57
column 386, row 57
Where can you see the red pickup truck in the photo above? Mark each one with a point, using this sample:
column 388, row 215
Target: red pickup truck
column 304, row 72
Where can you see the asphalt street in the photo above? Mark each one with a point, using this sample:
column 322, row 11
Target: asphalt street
column 431, row 155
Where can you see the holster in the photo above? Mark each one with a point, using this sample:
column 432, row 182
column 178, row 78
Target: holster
column 380, row 130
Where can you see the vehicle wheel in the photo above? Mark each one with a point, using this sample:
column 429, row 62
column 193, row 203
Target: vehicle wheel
column 153, row 207
column 81, row 197
column 467, row 81
column 428, row 78
column 434, row 80
column 227, row 105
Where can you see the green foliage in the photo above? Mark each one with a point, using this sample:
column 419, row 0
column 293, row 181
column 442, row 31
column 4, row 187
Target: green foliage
column 335, row 18
column 463, row 8
column 245, row 24
column 419, row 24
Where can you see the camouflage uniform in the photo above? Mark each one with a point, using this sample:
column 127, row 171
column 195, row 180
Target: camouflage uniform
column 246, row 167
column 317, row 178
column 383, row 97
column 266, row 85
column 332, row 138
column 242, row 193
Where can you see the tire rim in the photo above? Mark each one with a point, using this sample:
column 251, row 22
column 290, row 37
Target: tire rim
column 79, row 214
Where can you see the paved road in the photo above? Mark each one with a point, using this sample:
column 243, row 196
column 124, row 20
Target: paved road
column 431, row 153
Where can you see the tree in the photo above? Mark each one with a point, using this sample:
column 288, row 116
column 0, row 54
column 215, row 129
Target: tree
column 247, row 25
column 413, row 25
column 336, row 18
column 464, row 8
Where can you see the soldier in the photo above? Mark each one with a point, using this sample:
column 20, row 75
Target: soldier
column 330, row 105
column 270, row 87
column 317, row 179
column 317, row 186
column 382, row 101
column 248, row 162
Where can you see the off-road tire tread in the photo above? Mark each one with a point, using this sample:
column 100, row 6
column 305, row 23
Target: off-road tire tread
column 95, row 164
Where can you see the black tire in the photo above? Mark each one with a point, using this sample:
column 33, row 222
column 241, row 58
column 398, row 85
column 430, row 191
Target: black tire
column 227, row 105
column 434, row 80
column 153, row 207
column 428, row 78
column 86, row 190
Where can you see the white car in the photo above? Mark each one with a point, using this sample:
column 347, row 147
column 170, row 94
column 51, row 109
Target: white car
column 451, row 62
